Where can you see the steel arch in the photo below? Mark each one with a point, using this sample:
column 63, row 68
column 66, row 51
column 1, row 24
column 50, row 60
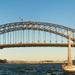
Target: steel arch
column 43, row 26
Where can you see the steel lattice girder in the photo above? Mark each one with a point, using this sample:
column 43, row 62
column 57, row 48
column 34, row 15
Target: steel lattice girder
column 48, row 27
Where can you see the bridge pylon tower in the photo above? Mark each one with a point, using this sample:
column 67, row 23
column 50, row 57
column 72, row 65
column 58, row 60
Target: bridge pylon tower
column 69, row 67
column 69, row 51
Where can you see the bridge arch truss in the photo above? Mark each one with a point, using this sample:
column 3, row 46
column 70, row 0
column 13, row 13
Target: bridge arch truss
column 7, row 31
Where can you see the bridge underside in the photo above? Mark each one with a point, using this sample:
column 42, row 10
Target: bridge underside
column 35, row 45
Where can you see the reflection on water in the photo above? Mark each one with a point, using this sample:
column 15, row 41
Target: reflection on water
column 32, row 69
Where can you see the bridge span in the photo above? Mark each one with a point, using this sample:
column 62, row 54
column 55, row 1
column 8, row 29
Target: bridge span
column 34, row 45
column 35, row 34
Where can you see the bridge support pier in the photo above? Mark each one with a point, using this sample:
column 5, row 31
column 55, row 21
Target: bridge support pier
column 69, row 53
column 69, row 67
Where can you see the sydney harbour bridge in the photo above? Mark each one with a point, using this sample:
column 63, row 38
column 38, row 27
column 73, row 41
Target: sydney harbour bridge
column 23, row 34
column 38, row 34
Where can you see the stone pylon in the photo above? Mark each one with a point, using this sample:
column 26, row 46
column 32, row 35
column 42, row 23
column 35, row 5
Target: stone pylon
column 69, row 51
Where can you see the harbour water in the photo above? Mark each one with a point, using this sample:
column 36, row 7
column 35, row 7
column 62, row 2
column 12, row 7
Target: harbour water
column 32, row 69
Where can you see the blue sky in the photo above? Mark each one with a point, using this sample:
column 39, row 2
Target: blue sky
column 54, row 11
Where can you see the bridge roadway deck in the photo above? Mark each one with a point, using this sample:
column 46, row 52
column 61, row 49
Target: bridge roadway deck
column 35, row 45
